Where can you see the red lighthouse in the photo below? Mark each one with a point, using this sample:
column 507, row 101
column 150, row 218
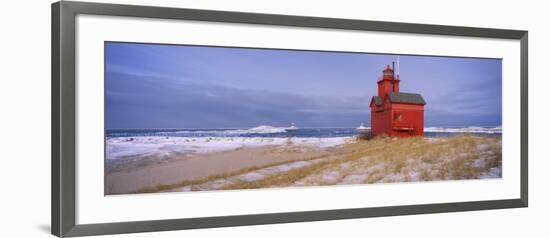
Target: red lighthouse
column 395, row 113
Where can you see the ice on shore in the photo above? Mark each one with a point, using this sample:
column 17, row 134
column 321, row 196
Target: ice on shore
column 118, row 147
column 471, row 129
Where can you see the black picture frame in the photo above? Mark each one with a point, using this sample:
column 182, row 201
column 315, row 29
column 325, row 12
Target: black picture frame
column 64, row 132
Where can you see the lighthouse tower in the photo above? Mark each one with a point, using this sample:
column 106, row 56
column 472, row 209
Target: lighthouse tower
column 388, row 83
column 396, row 113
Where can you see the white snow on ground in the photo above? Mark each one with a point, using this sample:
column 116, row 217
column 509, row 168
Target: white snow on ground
column 471, row 129
column 118, row 147
column 392, row 177
column 330, row 176
column 250, row 176
column 354, row 179
column 492, row 173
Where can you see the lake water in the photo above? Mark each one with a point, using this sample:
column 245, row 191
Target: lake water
column 269, row 131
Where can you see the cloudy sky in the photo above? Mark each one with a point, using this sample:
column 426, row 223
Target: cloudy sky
column 172, row 86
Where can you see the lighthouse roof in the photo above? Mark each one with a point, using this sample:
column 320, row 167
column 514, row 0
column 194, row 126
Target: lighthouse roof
column 377, row 100
column 388, row 69
column 411, row 98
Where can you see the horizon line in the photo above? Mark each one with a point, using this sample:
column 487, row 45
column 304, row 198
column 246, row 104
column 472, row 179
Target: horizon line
column 317, row 127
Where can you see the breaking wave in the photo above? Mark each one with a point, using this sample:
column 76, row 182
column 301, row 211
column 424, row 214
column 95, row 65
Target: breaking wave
column 260, row 130
column 256, row 130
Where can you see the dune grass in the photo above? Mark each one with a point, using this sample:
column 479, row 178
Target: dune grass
column 380, row 160
column 386, row 159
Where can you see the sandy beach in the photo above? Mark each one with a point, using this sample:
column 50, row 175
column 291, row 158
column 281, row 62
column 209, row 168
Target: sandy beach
column 180, row 164
column 137, row 172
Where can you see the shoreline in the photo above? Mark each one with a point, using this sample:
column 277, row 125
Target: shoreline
column 307, row 164
column 135, row 173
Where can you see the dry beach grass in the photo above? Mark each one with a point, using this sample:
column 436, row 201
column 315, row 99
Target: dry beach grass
column 395, row 160
column 380, row 160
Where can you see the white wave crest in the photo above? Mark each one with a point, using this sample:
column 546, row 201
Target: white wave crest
column 263, row 129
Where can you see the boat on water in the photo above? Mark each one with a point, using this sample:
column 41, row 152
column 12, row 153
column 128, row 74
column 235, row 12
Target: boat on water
column 292, row 128
column 364, row 132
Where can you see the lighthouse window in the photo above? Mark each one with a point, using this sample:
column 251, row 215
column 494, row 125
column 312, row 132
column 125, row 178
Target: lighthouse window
column 397, row 116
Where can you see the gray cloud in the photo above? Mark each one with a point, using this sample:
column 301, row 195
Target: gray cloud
column 140, row 101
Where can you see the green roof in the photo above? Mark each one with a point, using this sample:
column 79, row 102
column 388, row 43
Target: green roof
column 378, row 100
column 412, row 98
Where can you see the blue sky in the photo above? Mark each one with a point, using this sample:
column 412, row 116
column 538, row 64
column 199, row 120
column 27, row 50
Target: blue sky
column 174, row 86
